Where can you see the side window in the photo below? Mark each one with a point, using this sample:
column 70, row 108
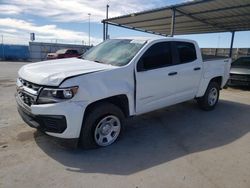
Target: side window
column 157, row 56
column 186, row 52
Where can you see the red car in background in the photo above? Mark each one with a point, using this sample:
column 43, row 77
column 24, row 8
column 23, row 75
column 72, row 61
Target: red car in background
column 63, row 53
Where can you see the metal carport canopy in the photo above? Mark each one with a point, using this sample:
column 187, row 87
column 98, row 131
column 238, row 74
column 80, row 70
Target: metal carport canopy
column 195, row 17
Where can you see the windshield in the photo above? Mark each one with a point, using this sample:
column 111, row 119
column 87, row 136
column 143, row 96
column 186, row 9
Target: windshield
column 242, row 62
column 117, row 52
column 62, row 51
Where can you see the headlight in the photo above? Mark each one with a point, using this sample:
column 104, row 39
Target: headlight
column 50, row 95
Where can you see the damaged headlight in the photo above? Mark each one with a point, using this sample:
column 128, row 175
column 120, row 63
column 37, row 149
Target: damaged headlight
column 51, row 95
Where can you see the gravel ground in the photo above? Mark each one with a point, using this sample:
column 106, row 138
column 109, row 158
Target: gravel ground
column 180, row 146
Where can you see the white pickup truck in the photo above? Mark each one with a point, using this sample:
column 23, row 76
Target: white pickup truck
column 85, row 100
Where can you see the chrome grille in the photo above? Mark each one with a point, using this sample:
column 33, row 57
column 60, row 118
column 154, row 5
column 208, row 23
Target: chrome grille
column 30, row 85
column 27, row 91
column 27, row 99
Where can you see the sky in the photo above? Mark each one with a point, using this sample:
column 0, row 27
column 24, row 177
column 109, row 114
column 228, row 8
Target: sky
column 67, row 21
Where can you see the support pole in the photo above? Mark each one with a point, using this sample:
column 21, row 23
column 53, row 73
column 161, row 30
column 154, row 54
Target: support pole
column 231, row 45
column 89, row 27
column 172, row 23
column 107, row 16
column 104, row 31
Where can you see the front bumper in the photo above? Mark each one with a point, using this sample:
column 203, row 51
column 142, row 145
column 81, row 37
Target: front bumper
column 62, row 120
column 238, row 82
column 45, row 123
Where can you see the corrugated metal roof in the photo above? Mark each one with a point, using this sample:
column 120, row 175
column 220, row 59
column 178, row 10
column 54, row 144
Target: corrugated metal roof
column 195, row 17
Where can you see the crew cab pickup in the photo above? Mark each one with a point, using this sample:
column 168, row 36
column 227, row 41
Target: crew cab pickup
column 86, row 99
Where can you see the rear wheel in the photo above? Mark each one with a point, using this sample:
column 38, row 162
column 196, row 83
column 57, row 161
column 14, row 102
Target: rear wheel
column 102, row 126
column 210, row 98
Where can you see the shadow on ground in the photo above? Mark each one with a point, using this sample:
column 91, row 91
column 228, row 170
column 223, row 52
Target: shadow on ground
column 157, row 138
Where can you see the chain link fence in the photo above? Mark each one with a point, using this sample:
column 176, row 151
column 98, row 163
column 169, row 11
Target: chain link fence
column 224, row 52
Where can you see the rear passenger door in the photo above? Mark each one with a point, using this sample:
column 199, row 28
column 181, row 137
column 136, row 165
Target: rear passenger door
column 189, row 70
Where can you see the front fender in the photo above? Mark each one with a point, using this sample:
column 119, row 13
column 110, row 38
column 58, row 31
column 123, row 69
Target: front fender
column 104, row 84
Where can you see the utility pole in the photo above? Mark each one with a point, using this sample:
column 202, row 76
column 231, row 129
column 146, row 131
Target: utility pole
column 89, row 27
column 107, row 16
column 2, row 48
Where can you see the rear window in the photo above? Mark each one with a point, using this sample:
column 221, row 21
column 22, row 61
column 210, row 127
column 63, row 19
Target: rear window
column 186, row 52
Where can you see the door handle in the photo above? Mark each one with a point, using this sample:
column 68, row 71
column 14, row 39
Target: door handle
column 172, row 73
column 197, row 68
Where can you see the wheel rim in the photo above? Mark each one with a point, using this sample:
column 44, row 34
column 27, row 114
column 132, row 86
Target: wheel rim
column 107, row 130
column 212, row 96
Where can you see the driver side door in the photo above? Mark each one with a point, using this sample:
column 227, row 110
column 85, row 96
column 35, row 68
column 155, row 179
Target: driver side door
column 155, row 78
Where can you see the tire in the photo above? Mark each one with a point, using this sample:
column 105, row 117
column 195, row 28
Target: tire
column 105, row 120
column 210, row 99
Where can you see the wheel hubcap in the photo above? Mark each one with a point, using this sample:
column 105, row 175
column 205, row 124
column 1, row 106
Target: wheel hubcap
column 107, row 130
column 212, row 96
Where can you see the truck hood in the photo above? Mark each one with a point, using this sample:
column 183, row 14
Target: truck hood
column 53, row 72
column 52, row 54
column 236, row 70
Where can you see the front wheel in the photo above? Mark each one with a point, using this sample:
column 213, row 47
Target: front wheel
column 102, row 126
column 209, row 100
column 107, row 130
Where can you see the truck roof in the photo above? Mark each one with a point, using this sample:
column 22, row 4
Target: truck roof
column 151, row 39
